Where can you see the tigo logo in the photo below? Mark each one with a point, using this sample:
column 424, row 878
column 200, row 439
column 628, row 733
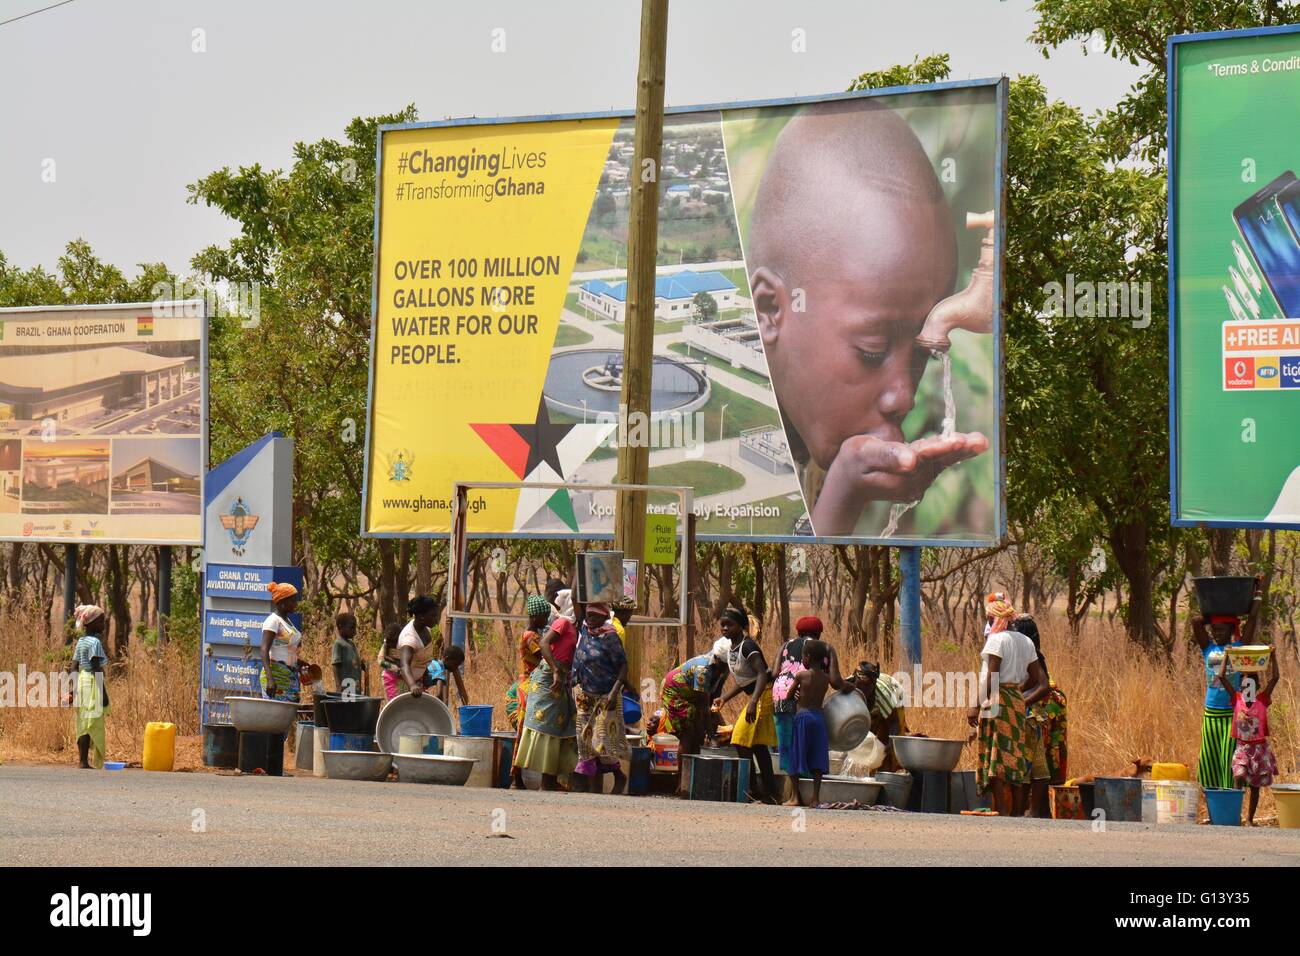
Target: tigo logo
column 1291, row 371
column 1239, row 373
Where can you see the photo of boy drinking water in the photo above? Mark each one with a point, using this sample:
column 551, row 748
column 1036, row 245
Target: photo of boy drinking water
column 851, row 243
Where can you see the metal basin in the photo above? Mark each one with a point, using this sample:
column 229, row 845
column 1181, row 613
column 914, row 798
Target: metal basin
column 406, row 715
column 261, row 715
column 433, row 768
column 927, row 753
column 357, row 764
column 848, row 719
column 842, row 790
column 898, row 788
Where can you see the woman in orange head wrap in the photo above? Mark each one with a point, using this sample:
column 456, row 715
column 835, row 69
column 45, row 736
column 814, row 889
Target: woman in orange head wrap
column 280, row 642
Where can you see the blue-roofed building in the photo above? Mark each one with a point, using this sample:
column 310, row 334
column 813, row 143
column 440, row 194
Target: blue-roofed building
column 674, row 294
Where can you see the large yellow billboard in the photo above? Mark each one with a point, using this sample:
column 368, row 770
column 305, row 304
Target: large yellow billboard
column 806, row 382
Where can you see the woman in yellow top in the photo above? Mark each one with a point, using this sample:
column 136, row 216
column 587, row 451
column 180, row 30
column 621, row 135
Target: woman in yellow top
column 755, row 729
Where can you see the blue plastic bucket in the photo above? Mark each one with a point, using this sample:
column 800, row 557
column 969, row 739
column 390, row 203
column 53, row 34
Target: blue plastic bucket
column 476, row 720
column 352, row 742
column 631, row 710
column 1224, row 806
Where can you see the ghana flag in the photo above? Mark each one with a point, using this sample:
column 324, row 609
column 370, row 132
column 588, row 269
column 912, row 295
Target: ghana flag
column 144, row 325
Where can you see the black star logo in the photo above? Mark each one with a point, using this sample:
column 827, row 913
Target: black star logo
column 542, row 437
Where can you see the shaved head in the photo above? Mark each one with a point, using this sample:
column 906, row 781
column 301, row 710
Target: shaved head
column 850, row 245
column 830, row 158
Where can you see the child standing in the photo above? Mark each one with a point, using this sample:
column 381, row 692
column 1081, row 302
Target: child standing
column 350, row 675
column 810, row 746
column 1253, row 761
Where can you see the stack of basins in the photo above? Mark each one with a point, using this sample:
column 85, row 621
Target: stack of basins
column 347, row 739
column 262, row 726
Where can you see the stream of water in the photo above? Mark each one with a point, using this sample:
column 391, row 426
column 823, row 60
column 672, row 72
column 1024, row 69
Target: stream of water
column 900, row 508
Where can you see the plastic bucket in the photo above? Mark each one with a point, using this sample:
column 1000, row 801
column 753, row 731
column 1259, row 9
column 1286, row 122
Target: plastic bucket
column 1177, row 801
column 631, row 710
column 476, row 720
column 1066, row 803
column 220, row 746
column 1224, row 806
column 638, row 775
column 1287, row 796
column 352, row 741
column 667, row 750
column 260, row 752
column 419, row 744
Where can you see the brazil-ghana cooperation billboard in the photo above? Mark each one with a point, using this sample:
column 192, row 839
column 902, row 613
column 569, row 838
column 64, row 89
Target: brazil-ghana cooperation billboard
column 103, row 423
column 1234, row 273
column 827, row 359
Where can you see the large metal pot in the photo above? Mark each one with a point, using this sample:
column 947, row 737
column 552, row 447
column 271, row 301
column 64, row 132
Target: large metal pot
column 848, row 719
column 927, row 753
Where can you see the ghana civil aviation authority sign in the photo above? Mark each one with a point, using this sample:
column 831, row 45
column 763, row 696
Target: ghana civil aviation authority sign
column 1234, row 277
column 803, row 248
column 103, row 423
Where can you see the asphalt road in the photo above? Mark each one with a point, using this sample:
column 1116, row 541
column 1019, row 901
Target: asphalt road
column 68, row 817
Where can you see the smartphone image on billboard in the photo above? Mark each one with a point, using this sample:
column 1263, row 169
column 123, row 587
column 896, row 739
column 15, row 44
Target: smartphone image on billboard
column 1288, row 200
column 1272, row 242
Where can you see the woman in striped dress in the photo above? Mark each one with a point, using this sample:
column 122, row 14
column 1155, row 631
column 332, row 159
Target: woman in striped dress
column 1214, row 635
column 90, row 696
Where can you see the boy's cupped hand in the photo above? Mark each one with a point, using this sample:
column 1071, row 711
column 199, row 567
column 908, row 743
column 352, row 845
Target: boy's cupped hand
column 867, row 468
column 872, row 469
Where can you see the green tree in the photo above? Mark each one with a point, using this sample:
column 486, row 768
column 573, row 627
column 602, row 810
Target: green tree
column 305, row 234
column 704, row 307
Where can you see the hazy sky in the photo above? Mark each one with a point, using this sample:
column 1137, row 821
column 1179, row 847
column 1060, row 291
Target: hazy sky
column 114, row 93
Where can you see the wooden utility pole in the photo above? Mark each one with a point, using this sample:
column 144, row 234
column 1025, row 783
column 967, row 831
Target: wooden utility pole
column 638, row 341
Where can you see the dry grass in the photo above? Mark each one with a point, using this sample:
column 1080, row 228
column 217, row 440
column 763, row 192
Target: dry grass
column 1122, row 704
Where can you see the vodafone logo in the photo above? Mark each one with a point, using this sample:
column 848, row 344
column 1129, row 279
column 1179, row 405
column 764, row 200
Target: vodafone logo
column 1239, row 373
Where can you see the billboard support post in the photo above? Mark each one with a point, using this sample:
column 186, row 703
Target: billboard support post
column 69, row 582
column 164, row 590
column 642, row 256
column 909, row 603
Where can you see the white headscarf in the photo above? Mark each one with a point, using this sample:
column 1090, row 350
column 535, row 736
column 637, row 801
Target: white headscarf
column 564, row 604
column 722, row 648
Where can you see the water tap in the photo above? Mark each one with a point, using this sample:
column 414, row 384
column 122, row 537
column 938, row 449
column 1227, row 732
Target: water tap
column 971, row 308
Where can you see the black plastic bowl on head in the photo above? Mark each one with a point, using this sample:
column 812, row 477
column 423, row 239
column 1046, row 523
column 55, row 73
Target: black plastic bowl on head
column 357, row 715
column 1224, row 595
